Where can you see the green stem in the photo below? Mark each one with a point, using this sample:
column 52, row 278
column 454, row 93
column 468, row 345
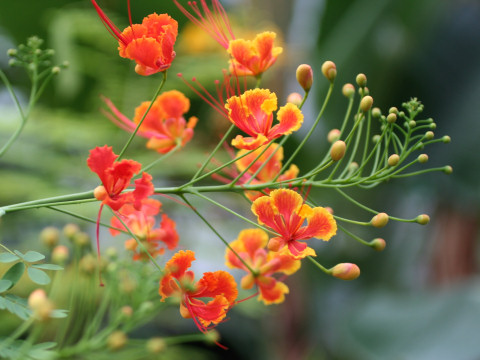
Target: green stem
column 17, row 333
column 130, row 139
column 320, row 266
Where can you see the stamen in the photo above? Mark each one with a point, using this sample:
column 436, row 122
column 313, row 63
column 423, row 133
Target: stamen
column 110, row 26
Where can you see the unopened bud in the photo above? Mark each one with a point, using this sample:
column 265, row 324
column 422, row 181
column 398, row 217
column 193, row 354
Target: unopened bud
column 66, row 64
column 429, row 135
column 391, row 118
column 50, row 236
column 433, row 126
column 70, row 230
column 353, row 166
column 366, row 103
column 55, row 70
column 12, row 52
column 345, row 271
column 412, row 123
column 81, row 239
column 329, row 209
column 126, row 311
column 212, row 336
column 364, row 91
column 423, row 219
column 376, row 138
column 117, row 340
column 348, row 90
column 378, row 244
column 376, row 112
column 100, row 193
column 446, row 139
column 393, row 110
column 361, row 80
column 295, row 98
column 274, row 244
column 111, row 253
column 379, row 220
column 422, row 158
column 305, row 76
column 156, row 345
column 329, row 70
column 88, row 264
column 333, row 135
column 42, row 307
column 60, row 254
column 338, row 150
column 393, row 160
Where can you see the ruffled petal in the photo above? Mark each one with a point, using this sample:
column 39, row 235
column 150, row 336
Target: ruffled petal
column 271, row 291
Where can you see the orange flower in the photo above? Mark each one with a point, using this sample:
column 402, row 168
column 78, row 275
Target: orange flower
column 285, row 212
column 150, row 43
column 142, row 224
column 253, row 57
column 252, row 112
column 248, row 57
column 164, row 125
column 219, row 286
column 250, row 246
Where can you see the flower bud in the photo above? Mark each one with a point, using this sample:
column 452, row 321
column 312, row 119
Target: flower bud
column 376, row 112
column 100, row 193
column 329, row 70
column 274, row 244
column 429, row 135
column 117, row 340
column 433, row 126
column 66, row 64
column 366, row 103
column 363, row 91
column 12, row 52
column 55, row 70
column 50, row 236
column 353, row 166
column 345, row 271
column 60, row 254
column 361, row 80
column 393, row 160
column 295, row 98
column 448, row 169
column 423, row 219
column 446, row 139
column 305, row 76
column 212, row 336
column 156, row 345
column 111, row 253
column 333, row 135
column 338, row 150
column 378, row 244
column 412, row 123
column 422, row 158
column 126, row 311
column 379, row 220
column 70, row 230
column 348, row 90
column 87, row 264
column 41, row 306
column 376, row 138
column 329, row 209
column 81, row 239
column 391, row 118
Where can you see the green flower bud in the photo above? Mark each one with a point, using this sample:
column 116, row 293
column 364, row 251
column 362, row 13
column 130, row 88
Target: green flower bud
column 50, row 236
column 212, row 336
column 12, row 52
column 378, row 244
column 353, row 166
column 70, row 230
column 433, row 126
column 329, row 70
column 60, row 254
column 422, row 158
column 361, row 80
column 376, row 138
column 379, row 220
column 55, row 70
column 412, row 123
column 117, row 340
column 156, row 345
column 423, row 219
column 448, row 169
column 333, row 135
column 348, row 90
column 429, row 135
column 376, row 112
column 393, row 160
column 366, row 103
column 338, row 150
column 391, row 118
column 446, row 139
column 305, row 76
column 345, row 271
column 393, row 110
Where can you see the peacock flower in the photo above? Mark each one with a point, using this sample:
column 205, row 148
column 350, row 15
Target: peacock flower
column 253, row 58
column 285, row 212
column 179, row 282
column 142, row 224
column 149, row 44
column 250, row 246
column 164, row 125
column 252, row 112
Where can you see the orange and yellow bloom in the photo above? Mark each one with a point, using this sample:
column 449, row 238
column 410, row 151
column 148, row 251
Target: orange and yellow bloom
column 252, row 112
column 149, row 44
column 285, row 212
column 250, row 246
column 164, row 125
column 178, row 281
column 253, row 57
column 142, row 224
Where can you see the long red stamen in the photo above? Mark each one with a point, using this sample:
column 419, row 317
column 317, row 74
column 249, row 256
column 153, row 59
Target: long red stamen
column 112, row 29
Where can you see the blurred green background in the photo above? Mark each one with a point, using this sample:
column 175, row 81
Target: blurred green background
column 419, row 299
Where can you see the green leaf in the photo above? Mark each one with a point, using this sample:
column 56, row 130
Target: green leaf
column 32, row 256
column 48, row 266
column 7, row 257
column 14, row 273
column 58, row 313
column 38, row 276
column 5, row 285
column 16, row 305
column 18, row 253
